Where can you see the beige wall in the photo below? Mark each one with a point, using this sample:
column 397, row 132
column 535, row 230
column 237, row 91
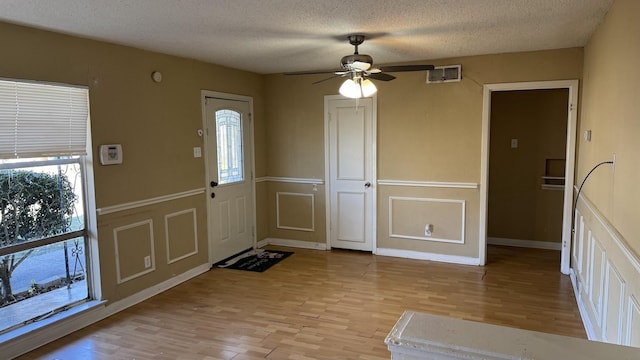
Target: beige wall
column 156, row 125
column 611, row 110
column 425, row 132
column 519, row 206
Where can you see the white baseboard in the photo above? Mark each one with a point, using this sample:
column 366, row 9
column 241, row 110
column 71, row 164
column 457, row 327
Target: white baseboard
column 418, row 255
column 591, row 334
column 74, row 319
column 525, row 243
column 292, row 243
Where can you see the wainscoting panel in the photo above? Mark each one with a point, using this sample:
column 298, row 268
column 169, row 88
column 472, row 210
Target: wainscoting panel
column 613, row 306
column 181, row 234
column 295, row 211
column 596, row 276
column 606, row 278
column 446, row 217
column 633, row 323
column 133, row 243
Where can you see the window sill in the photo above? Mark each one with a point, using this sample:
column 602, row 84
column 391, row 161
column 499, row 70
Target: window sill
column 31, row 336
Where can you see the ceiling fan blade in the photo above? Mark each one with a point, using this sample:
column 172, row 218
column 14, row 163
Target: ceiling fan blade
column 313, row 72
column 381, row 76
column 398, row 68
column 329, row 78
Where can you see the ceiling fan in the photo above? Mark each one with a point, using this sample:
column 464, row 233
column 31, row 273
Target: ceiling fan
column 359, row 68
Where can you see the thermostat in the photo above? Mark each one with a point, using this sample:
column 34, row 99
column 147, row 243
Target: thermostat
column 111, row 154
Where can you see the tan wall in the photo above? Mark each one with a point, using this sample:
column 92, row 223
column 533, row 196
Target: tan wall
column 519, row 206
column 156, row 125
column 611, row 110
column 425, row 132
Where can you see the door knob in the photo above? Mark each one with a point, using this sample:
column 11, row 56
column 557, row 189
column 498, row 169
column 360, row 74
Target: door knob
column 367, row 185
column 213, row 195
column 214, row 184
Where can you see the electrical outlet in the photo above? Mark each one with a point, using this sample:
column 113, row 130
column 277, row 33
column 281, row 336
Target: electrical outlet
column 614, row 162
column 197, row 152
column 147, row 262
column 428, row 230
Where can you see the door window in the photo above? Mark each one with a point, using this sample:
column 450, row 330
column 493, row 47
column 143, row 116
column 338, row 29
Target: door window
column 230, row 154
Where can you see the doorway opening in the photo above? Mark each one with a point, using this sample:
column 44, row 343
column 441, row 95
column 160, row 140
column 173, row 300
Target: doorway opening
column 555, row 167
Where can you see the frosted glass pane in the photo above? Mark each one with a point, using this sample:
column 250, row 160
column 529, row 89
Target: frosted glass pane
column 230, row 154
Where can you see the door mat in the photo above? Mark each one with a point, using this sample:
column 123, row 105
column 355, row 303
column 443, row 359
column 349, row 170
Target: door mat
column 257, row 260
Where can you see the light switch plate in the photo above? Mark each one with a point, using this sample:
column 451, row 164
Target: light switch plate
column 197, row 152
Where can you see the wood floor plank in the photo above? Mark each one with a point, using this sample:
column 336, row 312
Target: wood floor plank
column 327, row 305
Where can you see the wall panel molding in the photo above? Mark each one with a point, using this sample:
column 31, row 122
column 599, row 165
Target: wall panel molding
column 146, row 202
column 614, row 293
column 118, row 250
column 632, row 337
column 168, row 239
column 299, row 228
column 434, row 184
column 395, row 234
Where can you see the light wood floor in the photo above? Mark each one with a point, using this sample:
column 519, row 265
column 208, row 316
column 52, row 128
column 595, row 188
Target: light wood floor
column 327, row 305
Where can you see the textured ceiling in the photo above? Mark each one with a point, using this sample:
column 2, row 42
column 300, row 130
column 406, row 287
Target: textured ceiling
column 270, row 36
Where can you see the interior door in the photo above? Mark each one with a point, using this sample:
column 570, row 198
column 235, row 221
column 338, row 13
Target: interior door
column 351, row 173
column 230, row 184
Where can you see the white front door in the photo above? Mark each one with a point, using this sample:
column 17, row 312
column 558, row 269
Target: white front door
column 351, row 176
column 229, row 177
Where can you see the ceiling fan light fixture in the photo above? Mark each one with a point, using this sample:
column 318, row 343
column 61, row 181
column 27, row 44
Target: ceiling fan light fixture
column 350, row 89
column 368, row 88
column 357, row 88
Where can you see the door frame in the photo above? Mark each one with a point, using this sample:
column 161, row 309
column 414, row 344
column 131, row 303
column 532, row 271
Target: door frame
column 204, row 94
column 374, row 169
column 572, row 119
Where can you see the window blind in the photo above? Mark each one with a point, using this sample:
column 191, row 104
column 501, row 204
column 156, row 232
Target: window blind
column 42, row 120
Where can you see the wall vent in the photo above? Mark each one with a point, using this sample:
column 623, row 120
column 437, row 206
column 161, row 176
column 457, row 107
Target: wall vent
column 444, row 74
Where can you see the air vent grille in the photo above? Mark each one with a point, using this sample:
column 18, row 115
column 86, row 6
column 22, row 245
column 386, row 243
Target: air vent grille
column 444, row 74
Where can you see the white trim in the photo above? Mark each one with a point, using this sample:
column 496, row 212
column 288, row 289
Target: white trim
column 584, row 315
column 292, row 243
column 533, row 244
column 149, row 223
column 567, row 216
column 195, row 234
column 313, row 211
column 292, row 180
column 435, row 184
column 85, row 315
column 411, row 237
column 419, row 255
column 146, row 202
